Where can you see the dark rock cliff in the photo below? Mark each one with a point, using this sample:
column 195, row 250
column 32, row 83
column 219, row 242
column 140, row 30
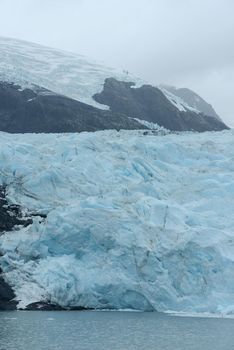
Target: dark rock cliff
column 6, row 296
column 149, row 103
column 41, row 111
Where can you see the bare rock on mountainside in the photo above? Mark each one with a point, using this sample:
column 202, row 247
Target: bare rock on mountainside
column 193, row 99
column 42, row 111
column 55, row 94
column 149, row 103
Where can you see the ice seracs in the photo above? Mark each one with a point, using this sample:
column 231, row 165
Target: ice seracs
column 131, row 220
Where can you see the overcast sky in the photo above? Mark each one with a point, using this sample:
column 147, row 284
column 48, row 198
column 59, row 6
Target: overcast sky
column 187, row 43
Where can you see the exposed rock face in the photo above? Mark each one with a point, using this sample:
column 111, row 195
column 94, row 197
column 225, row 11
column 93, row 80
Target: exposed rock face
column 41, row 111
column 194, row 100
column 10, row 216
column 43, row 306
column 46, row 306
column 149, row 103
column 6, row 296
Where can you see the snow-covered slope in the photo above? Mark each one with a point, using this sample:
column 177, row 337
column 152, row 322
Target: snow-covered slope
column 70, row 74
column 177, row 101
column 133, row 221
column 192, row 99
column 34, row 67
column 67, row 73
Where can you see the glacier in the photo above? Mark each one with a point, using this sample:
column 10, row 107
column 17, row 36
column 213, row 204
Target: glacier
column 76, row 76
column 131, row 221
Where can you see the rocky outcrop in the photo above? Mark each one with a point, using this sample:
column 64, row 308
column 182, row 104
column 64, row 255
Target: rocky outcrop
column 149, row 103
column 10, row 217
column 46, row 306
column 38, row 110
column 7, row 296
column 193, row 100
column 10, row 214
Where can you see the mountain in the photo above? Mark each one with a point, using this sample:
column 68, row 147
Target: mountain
column 127, row 219
column 40, row 110
column 150, row 104
column 33, row 67
column 193, row 100
column 118, row 220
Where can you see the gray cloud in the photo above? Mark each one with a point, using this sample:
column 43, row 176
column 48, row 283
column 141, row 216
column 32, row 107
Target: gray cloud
column 183, row 42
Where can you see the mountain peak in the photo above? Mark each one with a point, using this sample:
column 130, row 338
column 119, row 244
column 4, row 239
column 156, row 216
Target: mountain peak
column 78, row 78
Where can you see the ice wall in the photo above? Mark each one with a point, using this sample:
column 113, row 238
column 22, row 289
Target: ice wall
column 133, row 221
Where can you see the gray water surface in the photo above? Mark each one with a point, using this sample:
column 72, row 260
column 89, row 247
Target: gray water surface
column 112, row 331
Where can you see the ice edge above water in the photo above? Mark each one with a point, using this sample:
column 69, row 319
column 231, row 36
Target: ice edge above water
column 133, row 221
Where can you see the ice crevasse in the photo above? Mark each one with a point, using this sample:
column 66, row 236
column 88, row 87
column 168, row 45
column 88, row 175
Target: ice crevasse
column 132, row 220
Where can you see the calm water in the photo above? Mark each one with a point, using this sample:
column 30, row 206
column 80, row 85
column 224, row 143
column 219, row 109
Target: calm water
column 112, row 331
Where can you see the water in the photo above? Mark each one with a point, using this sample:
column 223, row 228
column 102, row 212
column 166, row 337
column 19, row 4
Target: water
column 112, row 331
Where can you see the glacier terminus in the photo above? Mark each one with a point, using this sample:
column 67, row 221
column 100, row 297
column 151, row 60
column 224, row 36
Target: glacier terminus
column 121, row 220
